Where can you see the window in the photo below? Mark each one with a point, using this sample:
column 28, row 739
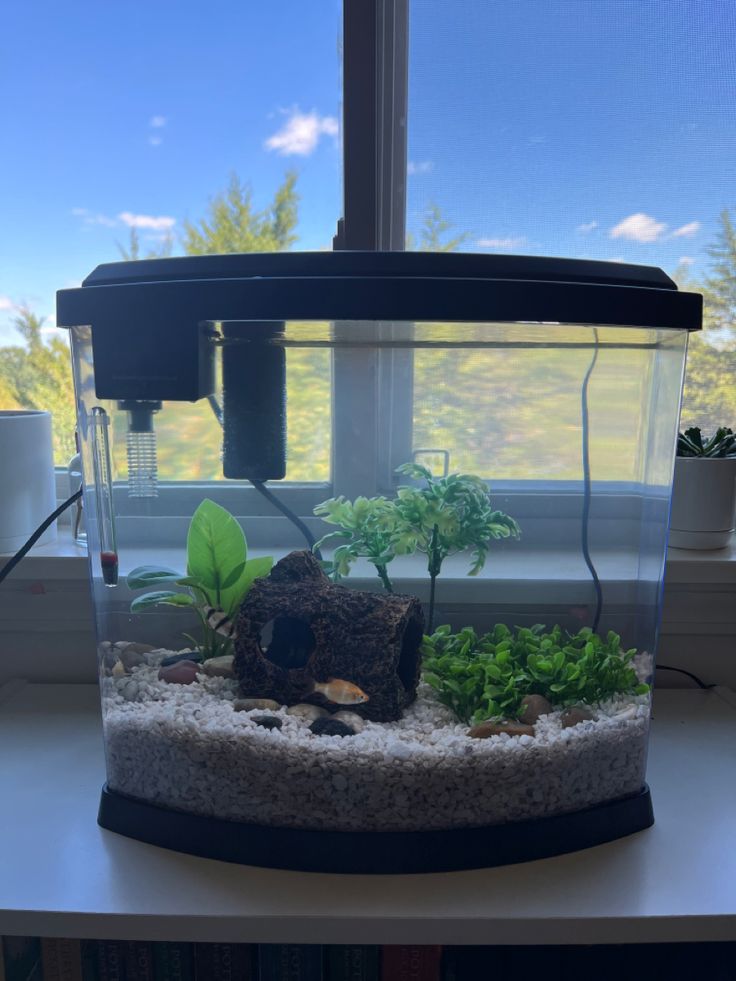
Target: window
column 543, row 127
column 602, row 130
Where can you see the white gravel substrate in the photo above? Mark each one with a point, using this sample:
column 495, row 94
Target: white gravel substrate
column 184, row 747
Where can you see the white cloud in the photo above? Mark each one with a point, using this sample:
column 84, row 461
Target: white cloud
column 686, row 260
column 685, row 231
column 155, row 140
column 300, row 134
column 157, row 121
column 155, row 222
column 6, row 303
column 587, row 226
column 500, row 243
column 639, row 228
column 93, row 219
column 420, row 167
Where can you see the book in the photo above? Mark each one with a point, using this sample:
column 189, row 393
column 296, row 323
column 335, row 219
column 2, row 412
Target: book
column 139, row 961
column 225, row 962
column 289, row 962
column 173, row 961
column 110, row 960
column 21, row 958
column 411, row 963
column 353, row 962
column 61, row 959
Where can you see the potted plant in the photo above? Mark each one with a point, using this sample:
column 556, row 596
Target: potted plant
column 704, row 490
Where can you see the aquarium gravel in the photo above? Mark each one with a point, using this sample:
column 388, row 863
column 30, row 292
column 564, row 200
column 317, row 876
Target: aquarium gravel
column 185, row 747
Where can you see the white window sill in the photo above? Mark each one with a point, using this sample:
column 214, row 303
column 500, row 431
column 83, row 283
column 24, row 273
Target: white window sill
column 64, row 559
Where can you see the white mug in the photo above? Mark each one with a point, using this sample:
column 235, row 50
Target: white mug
column 27, row 482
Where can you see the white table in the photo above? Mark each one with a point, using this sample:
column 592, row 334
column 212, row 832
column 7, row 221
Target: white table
column 62, row 875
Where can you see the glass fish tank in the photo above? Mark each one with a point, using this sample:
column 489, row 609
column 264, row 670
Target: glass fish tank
column 377, row 544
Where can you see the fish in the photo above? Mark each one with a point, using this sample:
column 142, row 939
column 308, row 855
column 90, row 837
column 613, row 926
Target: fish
column 341, row 692
column 220, row 622
column 336, row 690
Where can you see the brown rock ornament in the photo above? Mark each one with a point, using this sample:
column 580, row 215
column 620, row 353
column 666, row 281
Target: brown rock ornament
column 322, row 631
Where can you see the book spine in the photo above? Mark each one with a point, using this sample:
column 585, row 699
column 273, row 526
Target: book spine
column 289, row 962
column 61, row 959
column 173, row 961
column 400, row 962
column 110, row 960
column 138, row 961
column 353, row 962
column 225, row 962
column 21, row 958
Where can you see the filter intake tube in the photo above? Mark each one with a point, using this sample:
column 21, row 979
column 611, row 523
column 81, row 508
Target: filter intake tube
column 254, row 400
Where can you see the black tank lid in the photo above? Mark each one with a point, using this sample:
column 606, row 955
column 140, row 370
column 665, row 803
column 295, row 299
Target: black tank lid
column 381, row 286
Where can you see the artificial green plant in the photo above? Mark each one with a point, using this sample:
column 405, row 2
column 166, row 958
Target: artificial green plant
column 488, row 676
column 219, row 575
column 445, row 516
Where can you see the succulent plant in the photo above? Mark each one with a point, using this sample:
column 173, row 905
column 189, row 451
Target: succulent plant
column 721, row 445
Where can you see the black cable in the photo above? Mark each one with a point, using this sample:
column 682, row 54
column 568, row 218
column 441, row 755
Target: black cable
column 696, row 679
column 587, row 489
column 288, row 513
column 13, row 562
column 269, row 495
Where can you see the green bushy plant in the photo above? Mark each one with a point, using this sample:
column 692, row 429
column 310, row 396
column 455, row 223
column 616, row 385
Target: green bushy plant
column 484, row 677
column 448, row 515
column 445, row 516
column 219, row 575
column 367, row 530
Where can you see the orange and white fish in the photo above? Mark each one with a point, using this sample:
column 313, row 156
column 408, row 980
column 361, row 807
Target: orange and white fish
column 341, row 692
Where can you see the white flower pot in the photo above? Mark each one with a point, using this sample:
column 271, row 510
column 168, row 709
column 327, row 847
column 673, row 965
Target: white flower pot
column 703, row 502
column 27, row 483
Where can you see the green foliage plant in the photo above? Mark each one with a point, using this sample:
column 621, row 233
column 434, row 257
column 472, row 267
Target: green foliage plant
column 722, row 445
column 367, row 530
column 447, row 515
column 486, row 677
column 219, row 574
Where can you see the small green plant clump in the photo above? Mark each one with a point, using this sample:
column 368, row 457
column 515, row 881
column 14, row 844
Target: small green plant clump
column 445, row 516
column 721, row 444
column 487, row 677
column 219, row 575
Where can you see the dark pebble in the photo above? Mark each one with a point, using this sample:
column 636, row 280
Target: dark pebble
column 268, row 721
column 330, row 727
column 175, row 658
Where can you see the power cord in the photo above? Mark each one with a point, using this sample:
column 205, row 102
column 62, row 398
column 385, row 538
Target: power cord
column 695, row 678
column 13, row 562
column 585, row 518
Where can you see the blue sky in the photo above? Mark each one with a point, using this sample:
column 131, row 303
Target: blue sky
column 590, row 128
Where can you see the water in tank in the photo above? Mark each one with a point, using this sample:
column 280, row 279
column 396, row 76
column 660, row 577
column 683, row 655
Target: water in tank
column 376, row 546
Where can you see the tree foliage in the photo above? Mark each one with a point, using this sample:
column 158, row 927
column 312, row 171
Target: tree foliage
column 233, row 225
column 433, row 233
column 38, row 376
column 709, row 397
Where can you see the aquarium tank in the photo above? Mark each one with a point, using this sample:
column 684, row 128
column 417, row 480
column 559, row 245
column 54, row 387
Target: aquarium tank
column 377, row 544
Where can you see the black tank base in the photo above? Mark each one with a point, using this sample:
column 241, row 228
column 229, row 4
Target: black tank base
column 387, row 852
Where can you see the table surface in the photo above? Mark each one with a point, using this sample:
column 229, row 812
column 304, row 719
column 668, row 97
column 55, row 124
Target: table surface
column 62, row 875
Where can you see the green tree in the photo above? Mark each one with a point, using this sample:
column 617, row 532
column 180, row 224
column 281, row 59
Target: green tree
column 232, row 224
column 720, row 285
column 433, row 232
column 709, row 396
column 133, row 251
column 38, row 376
